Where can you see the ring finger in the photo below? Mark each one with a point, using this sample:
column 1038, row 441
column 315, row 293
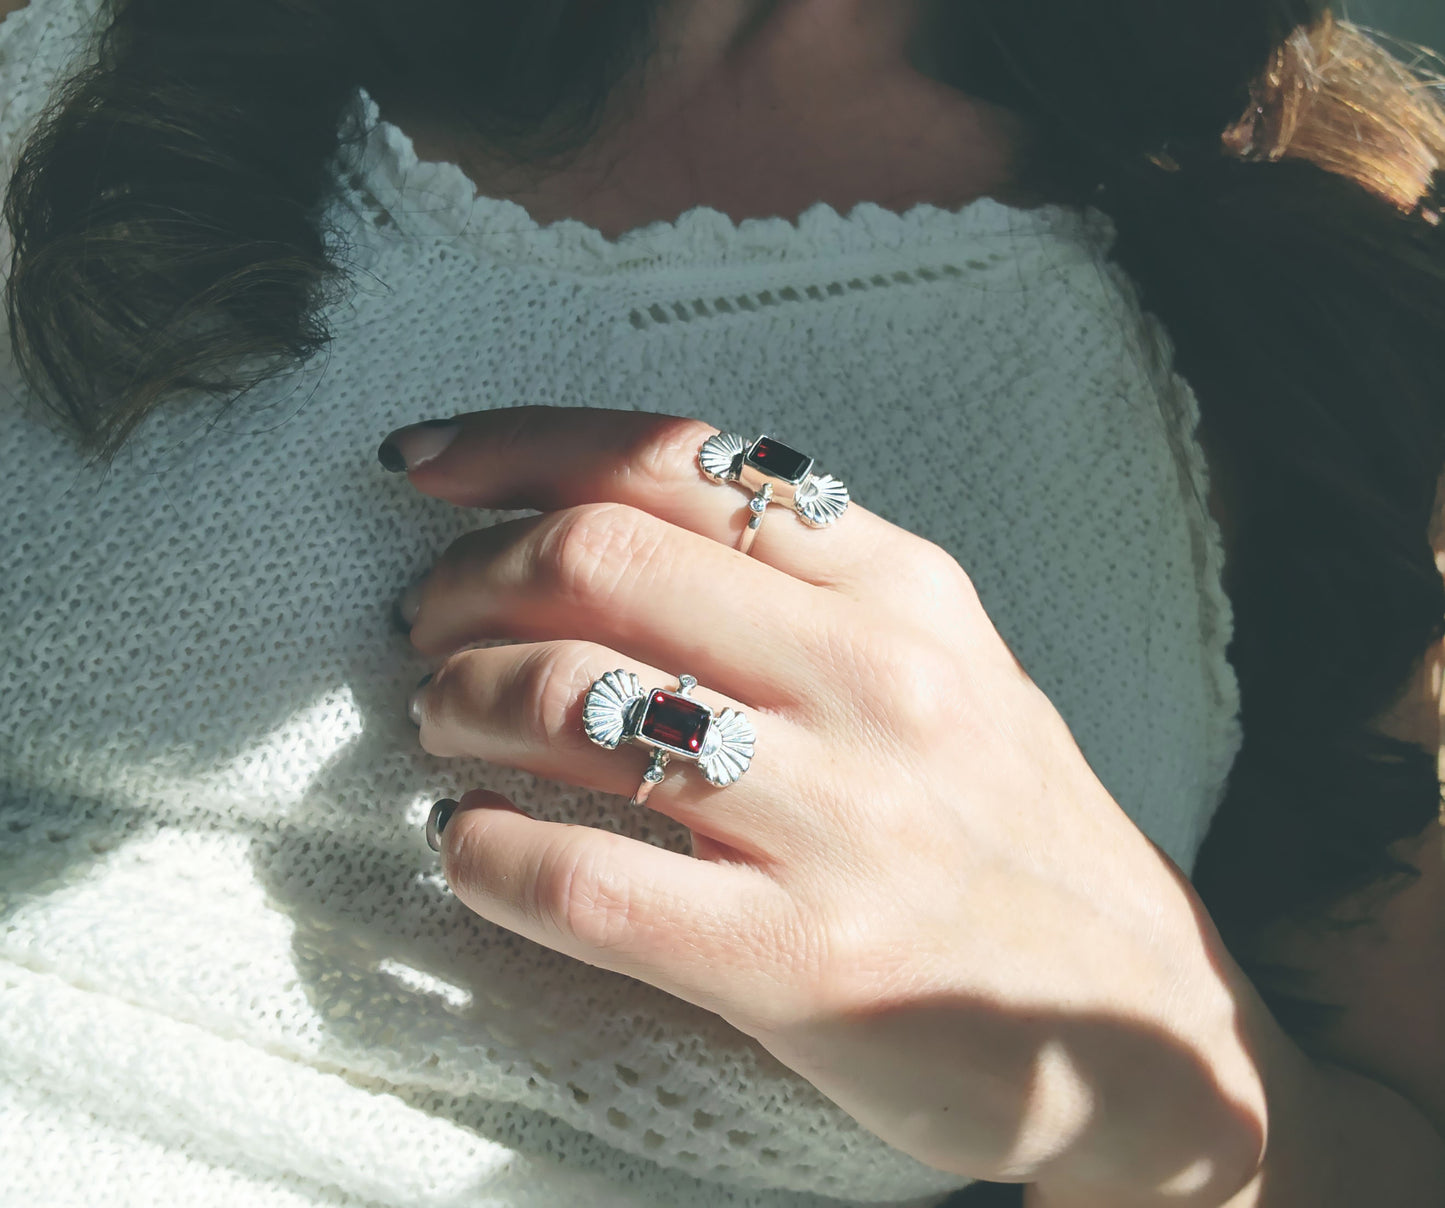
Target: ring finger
column 522, row 706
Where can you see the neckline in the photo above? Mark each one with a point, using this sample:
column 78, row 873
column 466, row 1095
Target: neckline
column 398, row 194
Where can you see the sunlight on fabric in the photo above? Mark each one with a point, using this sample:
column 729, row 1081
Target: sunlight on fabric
column 419, row 809
column 425, row 983
column 276, row 772
column 160, row 1103
column 433, row 880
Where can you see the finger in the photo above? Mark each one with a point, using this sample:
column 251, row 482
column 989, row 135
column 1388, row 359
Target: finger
column 521, row 707
column 549, row 458
column 676, row 922
column 614, row 575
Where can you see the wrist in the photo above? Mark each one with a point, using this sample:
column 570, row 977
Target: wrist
column 1336, row 1140
column 1182, row 1082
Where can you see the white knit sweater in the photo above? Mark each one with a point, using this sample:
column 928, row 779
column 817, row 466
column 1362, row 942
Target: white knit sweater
column 229, row 971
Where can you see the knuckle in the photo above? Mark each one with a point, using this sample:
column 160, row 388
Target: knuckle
column 551, row 685
column 933, row 562
column 460, row 556
column 585, row 555
column 579, row 896
column 667, row 455
column 468, row 854
column 935, row 574
column 916, row 689
column 442, row 704
column 533, row 701
column 451, row 577
column 833, row 960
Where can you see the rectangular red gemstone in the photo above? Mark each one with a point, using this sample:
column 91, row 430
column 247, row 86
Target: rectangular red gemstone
column 674, row 721
column 775, row 458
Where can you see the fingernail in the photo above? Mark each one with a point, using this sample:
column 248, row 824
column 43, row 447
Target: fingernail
column 483, row 799
column 413, row 706
column 436, row 822
column 407, row 449
column 403, row 612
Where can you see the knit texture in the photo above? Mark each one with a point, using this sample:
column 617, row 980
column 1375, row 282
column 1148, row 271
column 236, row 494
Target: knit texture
column 229, row 970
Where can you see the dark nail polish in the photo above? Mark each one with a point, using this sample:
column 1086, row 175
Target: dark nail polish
column 412, row 447
column 391, row 459
column 441, row 814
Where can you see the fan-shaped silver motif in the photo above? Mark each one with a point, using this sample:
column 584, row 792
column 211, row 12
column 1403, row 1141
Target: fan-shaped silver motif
column 721, row 456
column 727, row 751
column 821, row 500
column 606, row 713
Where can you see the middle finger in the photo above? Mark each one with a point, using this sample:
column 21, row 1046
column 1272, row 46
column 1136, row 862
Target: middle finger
column 618, row 576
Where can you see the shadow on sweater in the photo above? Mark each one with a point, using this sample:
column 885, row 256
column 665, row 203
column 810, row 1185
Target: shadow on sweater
column 987, row 1195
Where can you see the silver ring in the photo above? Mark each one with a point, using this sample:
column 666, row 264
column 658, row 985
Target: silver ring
column 774, row 473
column 671, row 725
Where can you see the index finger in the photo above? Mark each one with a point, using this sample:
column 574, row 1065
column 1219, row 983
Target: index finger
column 551, row 458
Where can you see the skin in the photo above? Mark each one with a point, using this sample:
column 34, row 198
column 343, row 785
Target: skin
column 920, row 899
column 759, row 110
column 823, row 987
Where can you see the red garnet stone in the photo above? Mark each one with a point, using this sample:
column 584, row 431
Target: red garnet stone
column 775, row 458
column 674, row 721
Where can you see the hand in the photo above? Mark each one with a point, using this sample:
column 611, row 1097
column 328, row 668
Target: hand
column 919, row 897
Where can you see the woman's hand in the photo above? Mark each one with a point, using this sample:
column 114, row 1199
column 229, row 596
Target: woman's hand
column 919, row 897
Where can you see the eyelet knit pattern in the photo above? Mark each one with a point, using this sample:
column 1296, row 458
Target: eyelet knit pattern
column 229, row 971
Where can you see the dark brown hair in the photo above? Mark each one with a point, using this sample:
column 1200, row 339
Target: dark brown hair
column 167, row 211
column 1273, row 176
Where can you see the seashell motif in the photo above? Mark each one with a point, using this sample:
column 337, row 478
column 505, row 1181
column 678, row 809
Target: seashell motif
column 821, row 500
column 721, row 456
column 727, row 751
column 608, row 711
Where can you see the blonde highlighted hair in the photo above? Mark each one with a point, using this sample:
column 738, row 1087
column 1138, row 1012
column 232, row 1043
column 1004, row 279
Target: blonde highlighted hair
column 1334, row 96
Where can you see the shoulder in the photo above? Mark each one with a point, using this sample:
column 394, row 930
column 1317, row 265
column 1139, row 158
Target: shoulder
column 1383, row 962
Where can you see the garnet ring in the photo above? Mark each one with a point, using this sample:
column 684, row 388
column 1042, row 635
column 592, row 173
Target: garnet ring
column 774, row 473
column 670, row 724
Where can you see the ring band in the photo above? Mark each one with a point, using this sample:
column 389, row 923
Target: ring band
column 672, row 725
column 774, row 473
